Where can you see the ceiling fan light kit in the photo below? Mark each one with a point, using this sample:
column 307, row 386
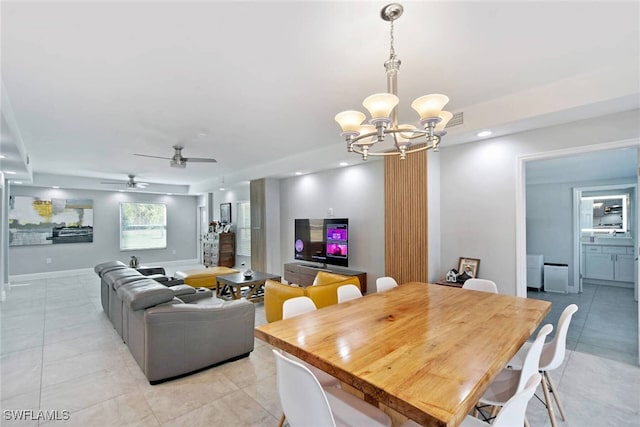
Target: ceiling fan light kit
column 384, row 115
column 130, row 184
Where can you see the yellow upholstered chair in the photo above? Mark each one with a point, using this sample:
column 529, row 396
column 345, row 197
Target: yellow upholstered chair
column 323, row 293
column 275, row 294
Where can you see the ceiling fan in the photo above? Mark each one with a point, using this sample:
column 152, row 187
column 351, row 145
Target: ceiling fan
column 178, row 161
column 132, row 183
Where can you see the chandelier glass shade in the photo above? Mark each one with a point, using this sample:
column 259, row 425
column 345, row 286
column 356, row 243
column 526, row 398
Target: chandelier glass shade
column 382, row 108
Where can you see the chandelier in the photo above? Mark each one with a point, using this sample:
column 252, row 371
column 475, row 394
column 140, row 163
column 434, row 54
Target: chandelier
column 384, row 116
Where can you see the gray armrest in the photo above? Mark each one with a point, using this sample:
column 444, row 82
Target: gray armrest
column 184, row 337
column 181, row 290
column 198, row 295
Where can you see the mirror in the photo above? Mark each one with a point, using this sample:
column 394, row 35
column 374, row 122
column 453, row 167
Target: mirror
column 604, row 213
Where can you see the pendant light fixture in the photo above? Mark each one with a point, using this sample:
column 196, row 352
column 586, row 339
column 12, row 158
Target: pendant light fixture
column 382, row 108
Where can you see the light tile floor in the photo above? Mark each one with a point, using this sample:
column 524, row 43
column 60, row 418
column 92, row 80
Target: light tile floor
column 606, row 323
column 59, row 352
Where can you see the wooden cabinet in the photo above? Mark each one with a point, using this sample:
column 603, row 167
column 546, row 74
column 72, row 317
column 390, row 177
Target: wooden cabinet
column 227, row 251
column 614, row 263
column 302, row 274
column 219, row 250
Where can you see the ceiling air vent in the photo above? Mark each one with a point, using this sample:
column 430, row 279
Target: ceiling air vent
column 456, row 120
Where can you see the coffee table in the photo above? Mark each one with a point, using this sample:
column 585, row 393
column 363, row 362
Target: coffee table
column 233, row 284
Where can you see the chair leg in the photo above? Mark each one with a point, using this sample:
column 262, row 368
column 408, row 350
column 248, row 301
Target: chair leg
column 555, row 394
column 526, row 422
column 280, row 424
column 548, row 402
column 494, row 411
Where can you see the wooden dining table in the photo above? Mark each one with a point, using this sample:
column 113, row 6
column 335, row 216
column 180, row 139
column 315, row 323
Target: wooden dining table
column 426, row 351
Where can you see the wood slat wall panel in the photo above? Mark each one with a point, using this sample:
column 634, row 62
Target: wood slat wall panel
column 258, row 231
column 406, row 218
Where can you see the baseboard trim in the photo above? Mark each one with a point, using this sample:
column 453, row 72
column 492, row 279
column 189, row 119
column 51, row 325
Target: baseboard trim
column 62, row 273
column 48, row 274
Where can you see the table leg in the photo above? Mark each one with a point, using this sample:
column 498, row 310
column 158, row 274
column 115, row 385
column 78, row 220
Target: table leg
column 252, row 291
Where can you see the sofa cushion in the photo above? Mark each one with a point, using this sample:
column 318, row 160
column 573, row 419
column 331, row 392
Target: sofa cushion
column 144, row 294
column 111, row 276
column 275, row 294
column 121, row 281
column 105, row 267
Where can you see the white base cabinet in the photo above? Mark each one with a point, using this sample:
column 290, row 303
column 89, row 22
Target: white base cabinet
column 614, row 263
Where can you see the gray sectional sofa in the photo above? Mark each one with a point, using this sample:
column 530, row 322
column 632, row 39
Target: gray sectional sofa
column 172, row 331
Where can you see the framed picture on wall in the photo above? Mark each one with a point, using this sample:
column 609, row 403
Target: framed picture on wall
column 225, row 212
column 469, row 266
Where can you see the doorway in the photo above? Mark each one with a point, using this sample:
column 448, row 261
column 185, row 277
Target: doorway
column 607, row 315
column 203, row 227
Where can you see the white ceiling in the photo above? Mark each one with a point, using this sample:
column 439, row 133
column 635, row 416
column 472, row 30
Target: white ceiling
column 257, row 84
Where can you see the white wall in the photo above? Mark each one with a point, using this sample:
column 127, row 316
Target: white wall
column 355, row 192
column 4, row 237
column 478, row 190
column 272, row 224
column 181, row 233
column 433, row 200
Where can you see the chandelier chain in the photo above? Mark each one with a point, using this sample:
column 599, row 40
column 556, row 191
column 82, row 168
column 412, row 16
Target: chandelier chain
column 392, row 52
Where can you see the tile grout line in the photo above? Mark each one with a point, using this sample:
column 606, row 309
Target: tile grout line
column 44, row 328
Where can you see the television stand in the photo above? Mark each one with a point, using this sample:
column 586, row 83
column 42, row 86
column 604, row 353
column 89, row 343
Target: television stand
column 303, row 274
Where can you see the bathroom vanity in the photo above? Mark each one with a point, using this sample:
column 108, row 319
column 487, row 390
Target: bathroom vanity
column 609, row 262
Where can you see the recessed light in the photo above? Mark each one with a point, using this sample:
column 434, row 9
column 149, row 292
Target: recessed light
column 344, row 164
column 10, row 172
column 298, row 173
column 484, row 133
column 221, row 188
column 55, row 186
column 2, row 156
column 169, row 194
column 16, row 182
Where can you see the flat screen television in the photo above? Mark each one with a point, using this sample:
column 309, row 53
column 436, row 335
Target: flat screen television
column 322, row 240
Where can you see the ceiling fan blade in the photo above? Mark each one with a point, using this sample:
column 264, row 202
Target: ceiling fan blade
column 142, row 184
column 113, row 182
column 199, row 160
column 155, row 157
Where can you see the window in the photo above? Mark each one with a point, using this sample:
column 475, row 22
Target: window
column 243, row 228
column 143, row 226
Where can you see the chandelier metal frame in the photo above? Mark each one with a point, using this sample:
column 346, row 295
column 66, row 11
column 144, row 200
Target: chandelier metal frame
column 360, row 138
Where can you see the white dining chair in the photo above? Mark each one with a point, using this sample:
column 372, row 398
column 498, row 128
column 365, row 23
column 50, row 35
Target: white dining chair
column 511, row 381
column 483, row 285
column 306, row 403
column 385, row 283
column 552, row 356
column 294, row 307
column 348, row 292
column 512, row 413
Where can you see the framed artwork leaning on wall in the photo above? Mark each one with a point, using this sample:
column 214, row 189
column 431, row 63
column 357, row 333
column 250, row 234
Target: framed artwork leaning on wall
column 469, row 266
